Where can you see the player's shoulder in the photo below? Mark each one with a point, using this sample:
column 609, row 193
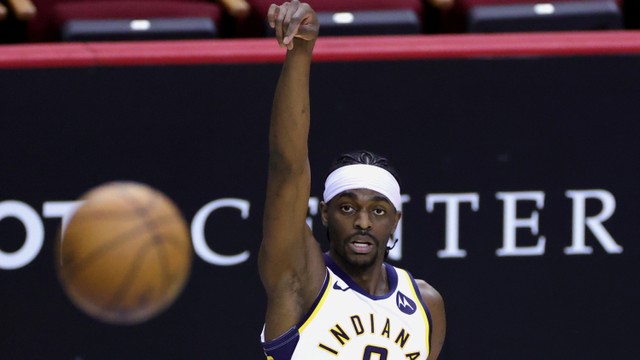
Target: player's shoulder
column 429, row 294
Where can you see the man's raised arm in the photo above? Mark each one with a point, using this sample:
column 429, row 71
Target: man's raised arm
column 290, row 264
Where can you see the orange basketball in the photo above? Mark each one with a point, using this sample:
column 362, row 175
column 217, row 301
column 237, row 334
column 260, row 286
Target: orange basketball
column 125, row 254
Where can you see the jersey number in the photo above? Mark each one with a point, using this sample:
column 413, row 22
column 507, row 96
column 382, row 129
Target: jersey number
column 371, row 350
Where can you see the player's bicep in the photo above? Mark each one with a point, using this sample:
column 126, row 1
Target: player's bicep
column 284, row 248
column 286, row 205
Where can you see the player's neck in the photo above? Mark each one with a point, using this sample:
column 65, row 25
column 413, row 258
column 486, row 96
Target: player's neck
column 372, row 279
column 375, row 283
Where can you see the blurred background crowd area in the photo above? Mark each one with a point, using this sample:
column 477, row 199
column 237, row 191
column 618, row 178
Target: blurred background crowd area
column 34, row 21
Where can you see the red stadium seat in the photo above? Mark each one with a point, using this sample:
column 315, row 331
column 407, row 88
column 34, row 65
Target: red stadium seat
column 455, row 19
column 53, row 14
column 255, row 23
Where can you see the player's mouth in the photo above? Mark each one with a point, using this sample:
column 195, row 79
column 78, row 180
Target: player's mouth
column 361, row 244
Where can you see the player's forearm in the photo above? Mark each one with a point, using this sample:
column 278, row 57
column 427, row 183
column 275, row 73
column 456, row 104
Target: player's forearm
column 290, row 115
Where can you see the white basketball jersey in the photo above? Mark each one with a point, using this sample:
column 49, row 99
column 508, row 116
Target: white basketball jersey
column 348, row 323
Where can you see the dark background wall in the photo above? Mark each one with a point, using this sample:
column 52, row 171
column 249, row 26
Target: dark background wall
column 486, row 126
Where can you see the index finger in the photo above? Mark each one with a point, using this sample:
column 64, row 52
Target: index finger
column 294, row 24
column 271, row 15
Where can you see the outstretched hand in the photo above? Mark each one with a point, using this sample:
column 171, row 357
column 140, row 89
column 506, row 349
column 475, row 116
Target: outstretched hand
column 293, row 20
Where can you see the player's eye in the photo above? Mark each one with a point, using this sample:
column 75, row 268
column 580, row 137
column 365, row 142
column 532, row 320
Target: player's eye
column 346, row 208
column 379, row 211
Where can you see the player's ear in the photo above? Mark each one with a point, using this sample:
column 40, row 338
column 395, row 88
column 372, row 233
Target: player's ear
column 324, row 213
column 398, row 215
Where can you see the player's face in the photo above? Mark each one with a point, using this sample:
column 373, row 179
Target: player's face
column 360, row 223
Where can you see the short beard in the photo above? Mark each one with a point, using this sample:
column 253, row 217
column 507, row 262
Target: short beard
column 357, row 266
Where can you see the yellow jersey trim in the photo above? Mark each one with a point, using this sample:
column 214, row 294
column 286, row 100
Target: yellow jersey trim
column 423, row 311
column 319, row 304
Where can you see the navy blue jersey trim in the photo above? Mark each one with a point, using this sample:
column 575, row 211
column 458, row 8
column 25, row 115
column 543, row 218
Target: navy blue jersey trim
column 392, row 277
column 316, row 301
column 281, row 340
column 282, row 348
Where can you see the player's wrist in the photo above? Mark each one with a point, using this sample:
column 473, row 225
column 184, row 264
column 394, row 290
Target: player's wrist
column 302, row 46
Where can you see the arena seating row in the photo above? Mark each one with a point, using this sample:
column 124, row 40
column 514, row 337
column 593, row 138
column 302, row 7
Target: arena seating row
column 90, row 20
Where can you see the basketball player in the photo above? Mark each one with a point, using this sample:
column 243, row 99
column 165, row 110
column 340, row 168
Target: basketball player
column 348, row 303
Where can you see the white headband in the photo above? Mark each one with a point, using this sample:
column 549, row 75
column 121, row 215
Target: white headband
column 362, row 176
